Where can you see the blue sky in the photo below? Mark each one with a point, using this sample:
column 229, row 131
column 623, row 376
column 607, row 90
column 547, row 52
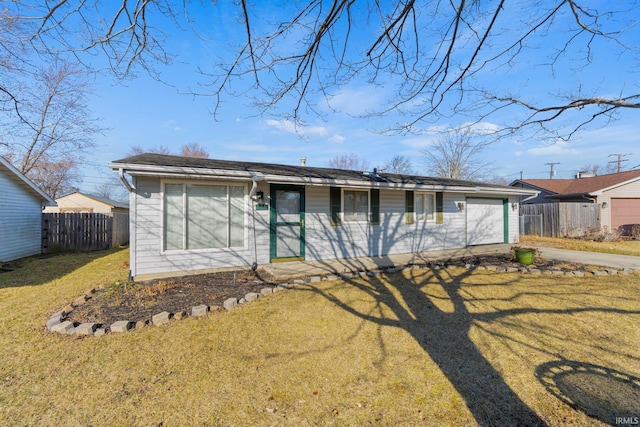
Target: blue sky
column 147, row 113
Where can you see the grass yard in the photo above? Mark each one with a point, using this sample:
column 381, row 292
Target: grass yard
column 622, row 247
column 443, row 347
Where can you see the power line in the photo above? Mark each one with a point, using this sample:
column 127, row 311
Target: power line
column 619, row 161
column 551, row 169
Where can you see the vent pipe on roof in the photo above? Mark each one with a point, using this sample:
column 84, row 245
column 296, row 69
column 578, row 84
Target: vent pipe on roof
column 580, row 175
column 303, row 161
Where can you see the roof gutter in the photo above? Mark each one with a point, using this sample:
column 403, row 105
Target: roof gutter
column 201, row 173
column 584, row 196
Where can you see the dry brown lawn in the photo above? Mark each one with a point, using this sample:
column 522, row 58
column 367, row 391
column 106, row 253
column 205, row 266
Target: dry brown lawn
column 444, row 347
column 621, row 247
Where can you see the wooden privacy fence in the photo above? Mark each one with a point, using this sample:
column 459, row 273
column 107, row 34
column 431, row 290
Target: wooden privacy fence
column 560, row 219
column 84, row 231
column 120, row 229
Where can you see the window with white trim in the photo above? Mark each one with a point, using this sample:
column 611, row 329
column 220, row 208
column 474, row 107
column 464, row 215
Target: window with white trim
column 425, row 206
column 355, row 206
column 199, row 216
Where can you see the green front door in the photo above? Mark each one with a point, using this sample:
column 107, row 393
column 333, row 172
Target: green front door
column 287, row 222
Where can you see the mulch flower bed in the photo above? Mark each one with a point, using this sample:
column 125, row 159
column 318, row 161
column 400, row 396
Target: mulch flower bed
column 140, row 301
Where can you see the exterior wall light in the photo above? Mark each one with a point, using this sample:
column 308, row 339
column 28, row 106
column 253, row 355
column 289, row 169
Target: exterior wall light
column 460, row 206
column 514, row 206
column 259, row 197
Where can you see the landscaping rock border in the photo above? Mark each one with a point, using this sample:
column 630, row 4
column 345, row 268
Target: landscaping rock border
column 59, row 323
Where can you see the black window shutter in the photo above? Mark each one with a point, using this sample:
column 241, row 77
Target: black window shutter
column 440, row 207
column 335, row 205
column 409, row 207
column 375, row 206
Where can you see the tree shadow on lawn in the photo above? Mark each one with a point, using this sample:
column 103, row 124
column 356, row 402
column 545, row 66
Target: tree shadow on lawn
column 600, row 392
column 39, row 269
column 443, row 333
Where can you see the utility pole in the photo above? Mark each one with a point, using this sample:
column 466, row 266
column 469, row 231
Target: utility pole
column 619, row 161
column 551, row 171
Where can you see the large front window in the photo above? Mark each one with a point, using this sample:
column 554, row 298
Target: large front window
column 198, row 216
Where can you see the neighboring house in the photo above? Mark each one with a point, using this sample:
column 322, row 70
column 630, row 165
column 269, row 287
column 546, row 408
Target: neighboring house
column 80, row 203
column 86, row 203
column 21, row 204
column 192, row 214
column 618, row 195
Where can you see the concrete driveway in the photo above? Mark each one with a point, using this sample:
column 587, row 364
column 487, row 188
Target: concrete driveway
column 295, row 269
column 591, row 258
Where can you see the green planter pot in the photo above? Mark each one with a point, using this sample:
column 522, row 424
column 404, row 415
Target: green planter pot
column 525, row 256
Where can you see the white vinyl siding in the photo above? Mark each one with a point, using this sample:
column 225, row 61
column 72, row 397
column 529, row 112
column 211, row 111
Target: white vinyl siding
column 391, row 236
column 322, row 240
column 513, row 220
column 149, row 259
column 20, row 220
column 198, row 216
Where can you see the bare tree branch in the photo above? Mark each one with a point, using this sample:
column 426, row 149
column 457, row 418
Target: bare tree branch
column 349, row 162
column 431, row 59
column 53, row 129
column 456, row 155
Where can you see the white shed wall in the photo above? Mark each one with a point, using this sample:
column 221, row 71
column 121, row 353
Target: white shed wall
column 20, row 221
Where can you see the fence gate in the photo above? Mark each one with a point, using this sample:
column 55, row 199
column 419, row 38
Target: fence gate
column 559, row 219
column 578, row 219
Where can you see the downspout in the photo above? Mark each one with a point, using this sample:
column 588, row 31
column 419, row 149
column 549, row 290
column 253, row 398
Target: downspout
column 252, row 192
column 129, row 187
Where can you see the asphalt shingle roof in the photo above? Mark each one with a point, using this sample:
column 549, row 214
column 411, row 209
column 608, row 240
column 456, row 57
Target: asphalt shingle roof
column 582, row 185
column 293, row 171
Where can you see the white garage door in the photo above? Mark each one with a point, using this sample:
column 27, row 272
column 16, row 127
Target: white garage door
column 485, row 221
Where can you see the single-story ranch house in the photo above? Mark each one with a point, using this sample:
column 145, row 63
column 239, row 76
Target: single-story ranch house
column 192, row 215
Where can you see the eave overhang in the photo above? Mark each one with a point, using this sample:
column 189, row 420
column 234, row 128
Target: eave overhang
column 180, row 172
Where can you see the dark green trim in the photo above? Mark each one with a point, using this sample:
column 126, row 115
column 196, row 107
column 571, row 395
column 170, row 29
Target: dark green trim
column 439, row 207
column 505, row 210
column 375, row 206
column 273, row 225
column 287, row 259
column 409, row 207
column 335, row 205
